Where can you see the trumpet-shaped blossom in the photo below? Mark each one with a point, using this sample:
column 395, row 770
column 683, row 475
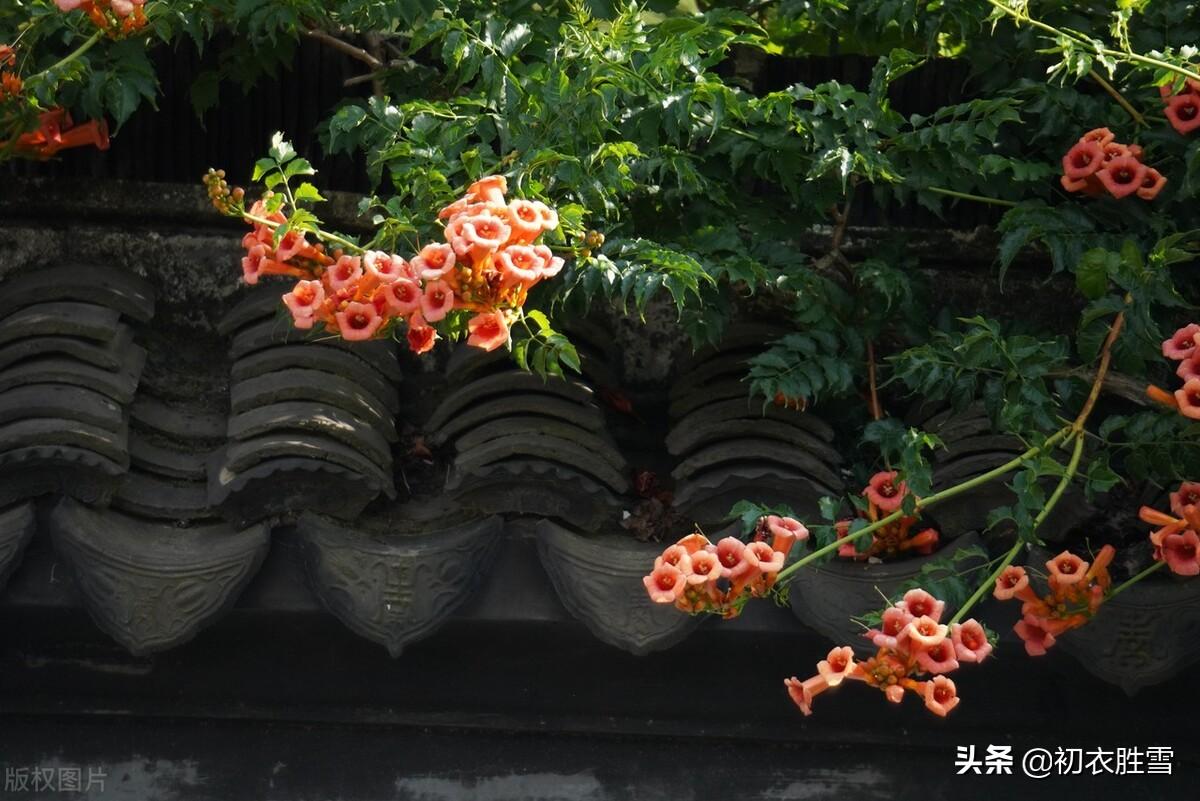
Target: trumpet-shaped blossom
column 489, row 189
column 837, row 665
column 1152, row 184
column 1082, row 160
column 345, row 273
column 1100, row 136
column 762, row 558
column 358, row 321
column 970, row 641
column 252, row 263
column 433, row 262
column 125, row 18
column 940, row 695
column 893, row 629
column 526, row 220
column 919, row 603
column 1182, row 553
column 705, row 567
column 384, row 267
column 1122, row 176
column 1183, row 343
column 421, row 336
column 402, row 296
column 1067, row 568
column 940, row 658
column 1011, row 581
column 290, row 245
column 676, row 556
column 488, row 331
column 730, row 551
column 520, row 264
column 1188, row 494
column 436, row 301
column 1035, row 634
column 926, row 633
column 665, row 584
column 303, row 301
column 549, row 216
column 551, row 265
column 785, row 531
column 1183, row 112
column 1189, row 368
column 482, row 235
column 1188, row 398
column 885, row 492
column 694, row 542
column 803, row 692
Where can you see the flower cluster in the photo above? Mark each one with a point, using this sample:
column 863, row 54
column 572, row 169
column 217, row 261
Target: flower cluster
column 116, row 18
column 1177, row 539
column 10, row 82
column 1183, row 108
column 885, row 495
column 698, row 576
column 915, row 652
column 493, row 257
column 486, row 266
column 1097, row 163
column 57, row 132
column 1076, row 590
column 1183, row 347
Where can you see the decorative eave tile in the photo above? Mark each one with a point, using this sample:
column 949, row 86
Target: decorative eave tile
column 598, row 578
column 395, row 588
column 17, row 526
column 153, row 586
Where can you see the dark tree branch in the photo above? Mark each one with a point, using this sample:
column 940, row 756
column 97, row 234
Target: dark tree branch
column 343, row 46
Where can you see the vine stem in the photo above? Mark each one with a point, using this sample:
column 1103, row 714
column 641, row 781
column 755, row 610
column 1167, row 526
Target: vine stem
column 325, row 235
column 1120, row 588
column 1076, row 431
column 343, row 46
column 1114, row 331
column 1097, row 49
column 876, row 408
column 1118, row 97
column 1063, row 483
column 967, row 196
column 931, row 500
column 988, row 582
column 88, row 44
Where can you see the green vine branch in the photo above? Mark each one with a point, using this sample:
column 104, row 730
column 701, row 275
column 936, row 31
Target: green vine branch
column 322, row 235
column 1100, row 50
column 931, row 500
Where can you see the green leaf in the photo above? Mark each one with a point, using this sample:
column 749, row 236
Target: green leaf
column 540, row 319
column 1092, row 271
column 205, row 91
column 307, row 192
column 281, row 150
column 263, row 167
column 514, row 39
column 298, row 166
